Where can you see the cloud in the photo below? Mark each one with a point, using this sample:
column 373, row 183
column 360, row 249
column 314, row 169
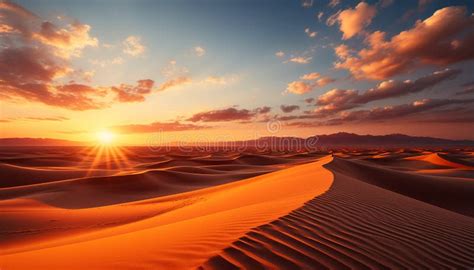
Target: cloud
column 334, row 3
column 309, row 100
column 199, row 51
column 35, row 63
column 157, row 127
column 36, row 118
column 29, row 65
column 310, row 76
column 466, row 91
column 228, row 114
column 299, row 87
column 262, row 110
column 333, row 19
column 51, row 118
column 69, row 96
column 385, row 3
column 310, row 33
column 289, row 108
column 280, row 54
column 103, row 63
column 4, row 28
column 132, row 46
column 174, row 83
column 220, row 80
column 29, row 73
column 324, row 81
column 338, row 100
column 315, row 79
column 306, row 3
column 172, row 69
column 300, row 60
column 423, row 3
column 425, row 110
column 68, row 42
column 320, row 16
column 399, row 111
column 128, row 93
column 444, row 38
column 353, row 21
column 22, row 26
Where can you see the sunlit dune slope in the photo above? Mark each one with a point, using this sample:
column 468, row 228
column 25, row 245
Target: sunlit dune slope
column 437, row 159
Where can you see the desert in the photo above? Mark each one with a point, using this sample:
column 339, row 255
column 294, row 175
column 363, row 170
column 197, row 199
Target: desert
column 326, row 210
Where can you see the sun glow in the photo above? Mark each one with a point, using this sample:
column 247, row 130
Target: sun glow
column 105, row 137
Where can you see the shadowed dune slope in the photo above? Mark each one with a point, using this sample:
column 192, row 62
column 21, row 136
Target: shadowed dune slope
column 356, row 225
column 453, row 193
column 77, row 193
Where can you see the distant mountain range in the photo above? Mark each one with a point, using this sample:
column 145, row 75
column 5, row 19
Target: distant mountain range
column 341, row 139
column 344, row 139
column 38, row 142
column 348, row 139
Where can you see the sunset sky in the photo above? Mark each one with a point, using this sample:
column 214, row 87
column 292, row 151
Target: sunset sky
column 227, row 70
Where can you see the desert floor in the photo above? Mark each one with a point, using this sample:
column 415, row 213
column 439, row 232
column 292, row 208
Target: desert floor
column 133, row 208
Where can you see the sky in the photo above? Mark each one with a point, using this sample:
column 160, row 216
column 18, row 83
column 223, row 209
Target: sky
column 162, row 71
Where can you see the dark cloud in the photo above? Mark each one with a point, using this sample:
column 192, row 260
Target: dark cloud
column 421, row 111
column 289, row 108
column 228, row 114
column 309, row 100
column 338, row 99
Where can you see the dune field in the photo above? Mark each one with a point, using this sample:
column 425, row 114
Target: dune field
column 133, row 208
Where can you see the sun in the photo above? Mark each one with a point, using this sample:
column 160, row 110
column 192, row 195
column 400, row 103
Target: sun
column 105, row 137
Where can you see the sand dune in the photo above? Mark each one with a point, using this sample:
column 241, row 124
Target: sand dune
column 356, row 209
column 437, row 159
column 201, row 223
column 355, row 225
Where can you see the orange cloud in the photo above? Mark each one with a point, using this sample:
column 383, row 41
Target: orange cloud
column 310, row 76
column 310, row 33
column 444, row 38
column 353, row 21
column 324, row 81
column 67, row 42
column 128, row 93
column 300, row 87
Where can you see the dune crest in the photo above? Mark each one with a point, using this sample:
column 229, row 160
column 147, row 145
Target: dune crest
column 435, row 158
